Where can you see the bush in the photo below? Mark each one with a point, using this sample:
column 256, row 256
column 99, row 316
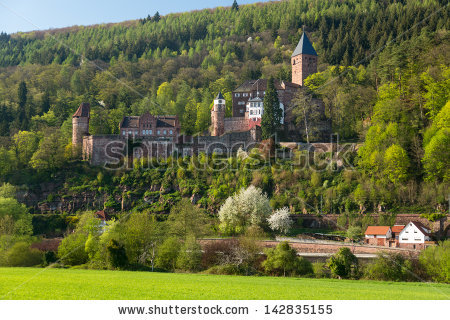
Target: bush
column 225, row 269
column 21, row 255
column 354, row 233
column 216, row 252
column 116, row 255
column 436, row 260
column 343, row 264
column 320, row 270
column 167, row 254
column 49, row 258
column 71, row 251
column 190, row 256
column 283, row 260
column 388, row 267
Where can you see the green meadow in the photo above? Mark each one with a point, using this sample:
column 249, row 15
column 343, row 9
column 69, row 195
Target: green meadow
column 35, row 283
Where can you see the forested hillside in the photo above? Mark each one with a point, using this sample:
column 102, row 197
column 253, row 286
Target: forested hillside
column 383, row 75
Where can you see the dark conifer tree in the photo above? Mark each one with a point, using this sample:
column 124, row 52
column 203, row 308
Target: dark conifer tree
column 235, row 6
column 271, row 118
column 156, row 17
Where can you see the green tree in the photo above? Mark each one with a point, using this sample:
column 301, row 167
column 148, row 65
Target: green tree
column 283, row 260
column 388, row 267
column 436, row 260
column 168, row 254
column 272, row 115
column 354, row 233
column 343, row 264
column 16, row 216
column 117, row 256
column 50, row 153
column 190, row 255
column 396, row 163
column 26, row 144
column 436, row 160
column 306, row 112
column 186, row 219
column 140, row 234
column 21, row 255
column 22, row 92
column 71, row 251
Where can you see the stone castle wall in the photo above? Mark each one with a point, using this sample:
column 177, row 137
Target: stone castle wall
column 235, row 124
column 101, row 150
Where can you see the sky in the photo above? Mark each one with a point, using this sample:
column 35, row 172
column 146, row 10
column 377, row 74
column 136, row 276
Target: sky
column 27, row 15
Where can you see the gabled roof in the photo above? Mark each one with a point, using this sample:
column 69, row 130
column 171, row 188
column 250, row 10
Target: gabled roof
column 220, row 96
column 255, row 99
column 377, row 230
column 304, row 46
column 397, row 228
column 421, row 227
column 83, row 110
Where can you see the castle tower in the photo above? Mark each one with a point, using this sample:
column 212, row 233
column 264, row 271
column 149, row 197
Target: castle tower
column 218, row 116
column 303, row 60
column 80, row 126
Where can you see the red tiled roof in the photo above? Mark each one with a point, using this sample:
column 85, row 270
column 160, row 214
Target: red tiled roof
column 83, row 110
column 397, row 228
column 377, row 230
column 102, row 215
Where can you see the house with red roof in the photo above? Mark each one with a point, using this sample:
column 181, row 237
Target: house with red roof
column 378, row 235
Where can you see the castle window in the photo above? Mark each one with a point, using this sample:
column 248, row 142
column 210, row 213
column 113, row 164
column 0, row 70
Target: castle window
column 129, row 132
column 123, row 132
column 150, row 131
column 170, row 131
column 159, row 132
column 143, row 132
column 165, row 131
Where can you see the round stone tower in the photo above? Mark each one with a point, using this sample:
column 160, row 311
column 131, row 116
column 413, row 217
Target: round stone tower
column 218, row 116
column 80, row 126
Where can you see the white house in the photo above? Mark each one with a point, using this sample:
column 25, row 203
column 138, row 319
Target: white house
column 415, row 233
column 255, row 109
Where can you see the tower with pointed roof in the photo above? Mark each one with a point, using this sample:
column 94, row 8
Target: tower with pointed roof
column 303, row 60
column 80, row 126
column 218, row 116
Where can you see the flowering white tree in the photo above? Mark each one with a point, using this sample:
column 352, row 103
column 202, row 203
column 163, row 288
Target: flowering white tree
column 247, row 207
column 280, row 220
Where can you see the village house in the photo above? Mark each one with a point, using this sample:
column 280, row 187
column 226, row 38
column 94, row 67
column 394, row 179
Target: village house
column 378, row 235
column 413, row 236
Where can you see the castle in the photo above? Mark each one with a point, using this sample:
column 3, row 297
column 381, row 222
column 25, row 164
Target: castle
column 159, row 136
column 247, row 99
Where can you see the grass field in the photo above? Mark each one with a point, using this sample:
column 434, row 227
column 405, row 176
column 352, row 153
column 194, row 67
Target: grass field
column 33, row 283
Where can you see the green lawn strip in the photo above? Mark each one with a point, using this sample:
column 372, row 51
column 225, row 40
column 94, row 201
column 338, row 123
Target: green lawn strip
column 34, row 283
